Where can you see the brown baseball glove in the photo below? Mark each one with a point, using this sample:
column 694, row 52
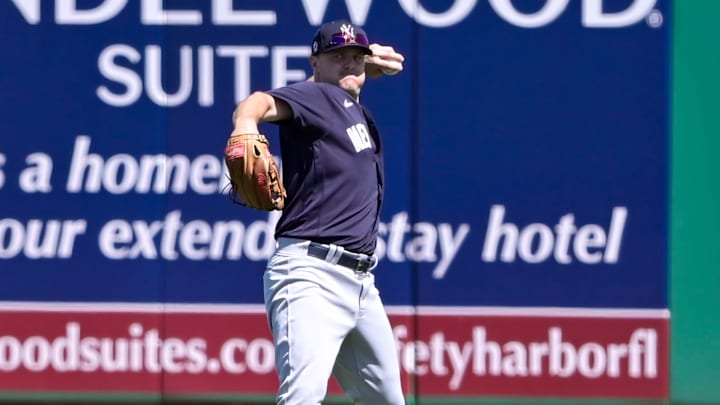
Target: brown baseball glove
column 254, row 176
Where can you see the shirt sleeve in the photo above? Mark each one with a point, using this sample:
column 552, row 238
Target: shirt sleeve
column 307, row 100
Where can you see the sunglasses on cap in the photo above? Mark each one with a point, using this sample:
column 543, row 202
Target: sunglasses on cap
column 342, row 38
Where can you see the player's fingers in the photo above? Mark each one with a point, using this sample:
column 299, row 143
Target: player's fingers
column 386, row 52
column 393, row 56
column 385, row 63
column 395, row 66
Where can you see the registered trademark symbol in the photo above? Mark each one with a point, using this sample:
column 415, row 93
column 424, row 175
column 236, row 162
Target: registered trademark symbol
column 654, row 19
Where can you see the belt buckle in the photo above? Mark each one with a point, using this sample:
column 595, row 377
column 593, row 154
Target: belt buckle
column 363, row 265
column 359, row 266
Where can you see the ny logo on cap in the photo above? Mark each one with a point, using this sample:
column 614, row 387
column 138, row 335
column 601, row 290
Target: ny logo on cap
column 348, row 32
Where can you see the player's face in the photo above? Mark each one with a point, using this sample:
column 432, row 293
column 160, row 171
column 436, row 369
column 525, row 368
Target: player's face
column 344, row 67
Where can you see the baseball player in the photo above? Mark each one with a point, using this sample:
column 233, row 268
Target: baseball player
column 323, row 308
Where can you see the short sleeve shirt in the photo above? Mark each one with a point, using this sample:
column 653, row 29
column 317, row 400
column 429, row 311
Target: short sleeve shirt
column 332, row 168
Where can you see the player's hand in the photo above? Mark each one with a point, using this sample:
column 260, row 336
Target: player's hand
column 384, row 61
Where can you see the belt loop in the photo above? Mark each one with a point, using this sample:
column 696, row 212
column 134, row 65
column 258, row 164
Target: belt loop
column 338, row 255
column 334, row 253
column 330, row 254
column 374, row 262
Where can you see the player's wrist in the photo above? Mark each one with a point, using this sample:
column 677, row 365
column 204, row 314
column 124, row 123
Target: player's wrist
column 245, row 126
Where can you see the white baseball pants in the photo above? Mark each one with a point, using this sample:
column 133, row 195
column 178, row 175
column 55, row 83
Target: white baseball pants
column 328, row 320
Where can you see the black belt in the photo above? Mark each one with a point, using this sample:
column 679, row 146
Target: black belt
column 354, row 261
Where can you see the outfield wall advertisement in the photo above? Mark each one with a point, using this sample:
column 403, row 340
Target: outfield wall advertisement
column 213, row 350
column 523, row 243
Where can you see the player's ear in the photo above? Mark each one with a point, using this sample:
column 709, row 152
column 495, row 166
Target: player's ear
column 313, row 62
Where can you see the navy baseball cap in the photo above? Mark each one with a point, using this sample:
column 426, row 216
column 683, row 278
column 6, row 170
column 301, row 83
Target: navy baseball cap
column 339, row 34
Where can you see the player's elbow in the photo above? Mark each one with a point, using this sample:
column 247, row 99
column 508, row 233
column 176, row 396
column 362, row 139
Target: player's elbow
column 255, row 107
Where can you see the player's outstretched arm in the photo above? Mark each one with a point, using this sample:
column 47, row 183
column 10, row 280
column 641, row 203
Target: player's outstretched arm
column 385, row 60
